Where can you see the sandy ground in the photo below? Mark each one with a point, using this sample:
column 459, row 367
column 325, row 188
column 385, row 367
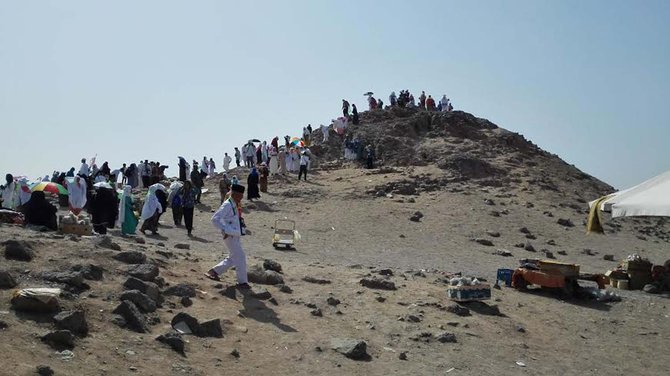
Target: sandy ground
column 348, row 234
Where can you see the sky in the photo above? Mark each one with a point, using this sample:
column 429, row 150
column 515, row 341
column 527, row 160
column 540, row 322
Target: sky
column 154, row 79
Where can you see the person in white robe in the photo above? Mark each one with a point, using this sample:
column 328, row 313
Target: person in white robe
column 274, row 163
column 10, row 193
column 150, row 211
column 212, row 167
column 77, row 195
column 281, row 156
column 226, row 162
column 445, row 103
column 83, row 169
column 324, row 131
column 265, row 153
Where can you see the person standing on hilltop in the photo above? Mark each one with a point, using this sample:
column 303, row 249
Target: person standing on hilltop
column 372, row 102
column 380, row 104
column 10, row 193
column 84, row 169
column 354, row 112
column 305, row 135
column 226, row 162
column 182, row 168
column 445, row 103
column 393, row 100
column 281, row 158
column 304, row 162
column 263, row 179
column 238, row 156
column 430, row 103
column 422, row 100
column 187, row 195
column 252, row 184
column 345, row 108
column 229, row 220
column 197, row 181
column 324, row 132
column 127, row 218
column 224, row 187
column 150, row 212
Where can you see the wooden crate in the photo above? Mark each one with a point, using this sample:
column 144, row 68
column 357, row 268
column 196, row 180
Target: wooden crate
column 641, row 266
column 555, row 267
column 469, row 293
column 76, row 229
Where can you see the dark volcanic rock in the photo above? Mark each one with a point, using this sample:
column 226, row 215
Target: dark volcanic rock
column 485, row 242
column 416, row 217
column 148, row 288
column 529, row 247
column 351, row 348
column 6, row 280
column 318, row 281
column 257, row 274
column 173, row 340
column 378, row 283
column 142, row 301
column 332, row 301
column 135, row 320
column 565, row 222
column 182, row 246
column 18, row 250
column 131, row 257
column 211, row 328
column 72, row 278
column 74, row 321
column 272, row 265
column 59, row 339
column 89, row 271
column 458, row 310
column 145, row 272
column 446, row 337
column 106, row 242
column 181, row 290
column 43, row 370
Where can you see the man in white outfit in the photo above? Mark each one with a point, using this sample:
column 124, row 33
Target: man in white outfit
column 226, row 162
column 324, row 131
column 228, row 219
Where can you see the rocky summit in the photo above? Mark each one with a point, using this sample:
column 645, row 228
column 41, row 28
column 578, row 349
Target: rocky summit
column 364, row 290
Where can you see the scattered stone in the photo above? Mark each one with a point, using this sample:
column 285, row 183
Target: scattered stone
column 565, row 222
column 548, row 214
column 142, row 301
column 59, row 339
column 74, row 321
column 148, row 288
column 257, row 274
column 6, row 280
column 318, row 281
column 494, row 213
column 651, row 289
column 285, row 289
column 317, row 312
column 446, row 337
column 412, row 318
column 166, row 254
column 520, row 329
column 378, row 283
column 351, row 348
column 562, row 253
column 489, row 202
column 548, row 254
column 531, row 236
column 608, row 257
column 182, row 246
column 520, row 245
column 131, row 257
column 18, row 250
column 211, row 328
column 551, row 242
column 494, row 234
column 135, row 320
column 589, row 252
column 529, row 247
column 380, row 299
column 524, row 230
column 3, row 325
column 416, row 217
column 106, row 242
column 145, row 272
column 43, row 370
column 181, row 290
column 260, row 294
column 386, row 272
column 333, row 301
column 71, row 278
column 89, row 271
column 503, row 252
column 139, row 240
column 183, row 322
column 402, row 355
column 402, row 236
column 458, row 310
column 186, row 301
column 173, row 340
column 272, row 265
column 485, row 242
column 235, row 353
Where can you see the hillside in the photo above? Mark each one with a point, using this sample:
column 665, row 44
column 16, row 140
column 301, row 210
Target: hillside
column 471, row 181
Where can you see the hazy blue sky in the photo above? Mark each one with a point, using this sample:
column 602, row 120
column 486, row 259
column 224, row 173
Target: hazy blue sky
column 129, row 80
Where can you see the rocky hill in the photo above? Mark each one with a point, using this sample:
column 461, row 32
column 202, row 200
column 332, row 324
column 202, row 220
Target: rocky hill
column 364, row 290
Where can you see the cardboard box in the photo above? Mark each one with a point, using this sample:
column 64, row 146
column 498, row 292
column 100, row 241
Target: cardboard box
column 76, row 229
column 555, row 267
column 469, row 293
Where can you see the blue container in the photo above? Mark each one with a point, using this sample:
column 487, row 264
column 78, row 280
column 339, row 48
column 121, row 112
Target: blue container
column 506, row 276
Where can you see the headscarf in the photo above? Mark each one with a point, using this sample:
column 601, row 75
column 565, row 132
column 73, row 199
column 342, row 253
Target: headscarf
column 77, row 191
column 151, row 203
column 127, row 190
column 235, row 180
column 254, row 172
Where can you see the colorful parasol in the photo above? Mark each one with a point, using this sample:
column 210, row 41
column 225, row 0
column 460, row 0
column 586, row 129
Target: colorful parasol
column 298, row 143
column 50, row 187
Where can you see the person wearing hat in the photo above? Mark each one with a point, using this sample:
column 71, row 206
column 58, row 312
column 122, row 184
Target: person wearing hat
column 228, row 219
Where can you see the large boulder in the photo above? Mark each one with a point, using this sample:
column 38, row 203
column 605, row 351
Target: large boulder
column 142, row 301
column 38, row 300
column 131, row 257
column 148, row 288
column 355, row 349
column 257, row 274
column 89, row 271
column 71, row 278
column 6, row 280
column 145, row 272
column 74, row 321
column 134, row 319
column 187, row 324
column 378, row 283
column 18, row 250
column 181, row 290
column 173, row 340
column 59, row 339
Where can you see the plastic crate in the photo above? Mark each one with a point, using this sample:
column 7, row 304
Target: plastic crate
column 505, row 275
column 469, row 293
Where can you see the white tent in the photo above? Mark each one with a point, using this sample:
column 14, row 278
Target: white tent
column 651, row 198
